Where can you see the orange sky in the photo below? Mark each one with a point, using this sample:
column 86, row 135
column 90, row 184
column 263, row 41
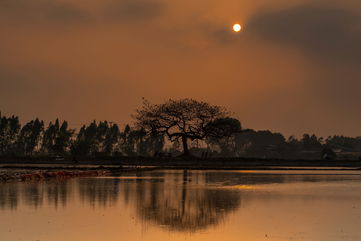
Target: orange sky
column 294, row 68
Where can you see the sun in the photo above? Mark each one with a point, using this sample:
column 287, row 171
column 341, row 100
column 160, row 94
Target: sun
column 237, row 27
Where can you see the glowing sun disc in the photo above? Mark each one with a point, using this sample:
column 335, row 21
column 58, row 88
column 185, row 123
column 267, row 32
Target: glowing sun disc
column 237, row 27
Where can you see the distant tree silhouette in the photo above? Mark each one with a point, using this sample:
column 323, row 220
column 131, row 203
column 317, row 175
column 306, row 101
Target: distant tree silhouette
column 328, row 154
column 224, row 146
column 49, row 136
column 30, row 136
column 86, row 142
column 105, row 138
column 311, row 142
column 9, row 130
column 57, row 138
column 186, row 119
column 344, row 143
column 63, row 139
column 260, row 143
column 111, row 139
column 155, row 143
column 137, row 142
column 141, row 141
column 127, row 144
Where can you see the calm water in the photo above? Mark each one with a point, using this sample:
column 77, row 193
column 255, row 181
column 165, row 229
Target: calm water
column 193, row 205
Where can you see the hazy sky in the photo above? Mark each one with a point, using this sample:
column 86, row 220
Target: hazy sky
column 294, row 68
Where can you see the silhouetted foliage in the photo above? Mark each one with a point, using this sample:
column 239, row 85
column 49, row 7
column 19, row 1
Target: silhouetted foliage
column 344, row 143
column 89, row 139
column 57, row 139
column 127, row 142
column 328, row 154
column 106, row 139
column 259, row 143
column 311, row 142
column 189, row 125
column 30, row 136
column 9, row 130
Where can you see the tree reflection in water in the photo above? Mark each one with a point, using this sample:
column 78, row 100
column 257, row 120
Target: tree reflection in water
column 9, row 195
column 184, row 203
column 58, row 193
column 99, row 191
column 34, row 194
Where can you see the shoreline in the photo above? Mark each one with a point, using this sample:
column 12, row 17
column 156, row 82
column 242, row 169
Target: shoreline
column 44, row 168
column 186, row 162
column 36, row 172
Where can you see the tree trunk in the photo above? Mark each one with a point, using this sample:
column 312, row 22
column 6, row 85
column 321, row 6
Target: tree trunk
column 185, row 146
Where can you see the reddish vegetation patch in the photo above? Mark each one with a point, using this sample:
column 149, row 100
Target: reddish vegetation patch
column 60, row 175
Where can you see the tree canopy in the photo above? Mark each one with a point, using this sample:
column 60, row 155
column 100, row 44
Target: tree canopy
column 186, row 119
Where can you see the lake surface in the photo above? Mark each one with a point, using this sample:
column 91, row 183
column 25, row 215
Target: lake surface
column 186, row 205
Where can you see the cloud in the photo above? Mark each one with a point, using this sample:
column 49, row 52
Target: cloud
column 45, row 12
column 326, row 32
column 134, row 10
column 41, row 10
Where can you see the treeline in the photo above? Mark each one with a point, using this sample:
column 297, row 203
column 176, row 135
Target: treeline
column 251, row 143
column 107, row 139
column 56, row 138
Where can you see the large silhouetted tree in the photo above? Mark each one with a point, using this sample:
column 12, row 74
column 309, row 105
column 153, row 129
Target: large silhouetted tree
column 186, row 119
